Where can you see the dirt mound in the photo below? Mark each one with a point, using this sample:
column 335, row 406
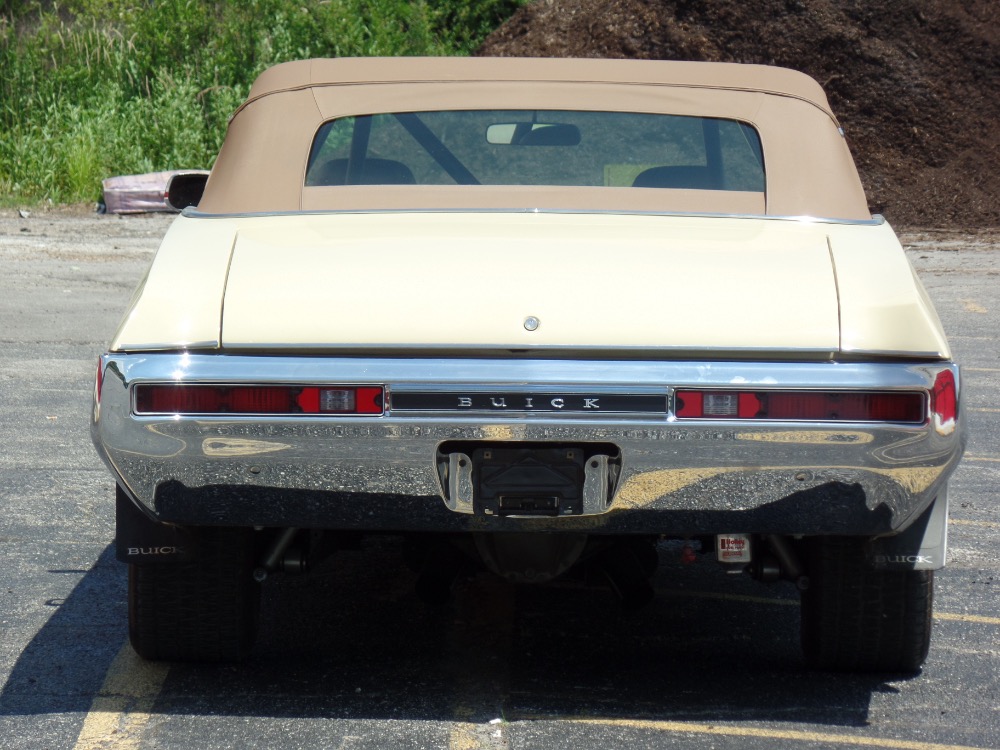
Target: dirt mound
column 916, row 83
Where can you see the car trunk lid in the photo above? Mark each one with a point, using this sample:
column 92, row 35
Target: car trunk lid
column 531, row 281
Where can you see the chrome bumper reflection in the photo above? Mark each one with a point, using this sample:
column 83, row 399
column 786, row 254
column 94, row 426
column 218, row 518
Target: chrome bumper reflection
column 382, row 472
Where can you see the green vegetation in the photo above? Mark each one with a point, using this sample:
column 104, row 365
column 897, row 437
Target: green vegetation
column 94, row 88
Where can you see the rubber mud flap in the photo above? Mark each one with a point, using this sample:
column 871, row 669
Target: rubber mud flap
column 139, row 540
column 206, row 610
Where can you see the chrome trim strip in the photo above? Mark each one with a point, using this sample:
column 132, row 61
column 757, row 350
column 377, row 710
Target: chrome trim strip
column 192, row 212
column 580, row 374
column 536, row 353
column 645, row 351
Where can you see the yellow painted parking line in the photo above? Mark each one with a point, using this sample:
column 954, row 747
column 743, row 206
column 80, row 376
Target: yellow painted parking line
column 480, row 676
column 832, row 738
column 463, row 736
column 122, row 707
column 971, row 305
column 989, row 459
column 984, row 410
column 980, row 369
column 964, row 522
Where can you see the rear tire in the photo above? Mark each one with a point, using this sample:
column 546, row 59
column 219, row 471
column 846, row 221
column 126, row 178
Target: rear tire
column 862, row 620
column 204, row 610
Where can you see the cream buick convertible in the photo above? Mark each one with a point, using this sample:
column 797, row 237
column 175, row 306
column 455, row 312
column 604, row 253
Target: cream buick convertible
column 540, row 318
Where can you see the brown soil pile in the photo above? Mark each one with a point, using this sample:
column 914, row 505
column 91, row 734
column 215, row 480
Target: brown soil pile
column 916, row 83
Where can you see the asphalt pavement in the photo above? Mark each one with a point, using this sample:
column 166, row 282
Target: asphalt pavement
column 349, row 657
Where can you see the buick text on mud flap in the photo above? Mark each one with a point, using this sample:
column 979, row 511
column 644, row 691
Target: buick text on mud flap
column 148, row 551
column 907, row 559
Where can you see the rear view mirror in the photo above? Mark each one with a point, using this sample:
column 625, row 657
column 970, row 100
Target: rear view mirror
column 532, row 134
column 185, row 189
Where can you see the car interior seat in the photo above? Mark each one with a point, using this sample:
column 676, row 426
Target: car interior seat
column 373, row 172
column 679, row 177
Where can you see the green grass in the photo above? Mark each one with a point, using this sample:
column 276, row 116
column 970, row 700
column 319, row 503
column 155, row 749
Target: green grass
column 95, row 88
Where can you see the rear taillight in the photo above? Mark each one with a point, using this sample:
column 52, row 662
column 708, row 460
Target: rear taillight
column 809, row 406
column 258, row 399
column 944, row 402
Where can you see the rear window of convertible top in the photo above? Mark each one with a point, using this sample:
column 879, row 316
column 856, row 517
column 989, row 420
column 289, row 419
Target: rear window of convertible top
column 543, row 147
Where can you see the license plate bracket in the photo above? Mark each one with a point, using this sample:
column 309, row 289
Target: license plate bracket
column 528, row 481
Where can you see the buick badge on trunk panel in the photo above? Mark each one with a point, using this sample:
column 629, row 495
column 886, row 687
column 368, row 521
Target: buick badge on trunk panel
column 545, row 314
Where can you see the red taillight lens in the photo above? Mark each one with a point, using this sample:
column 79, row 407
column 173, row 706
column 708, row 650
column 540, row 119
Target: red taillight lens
column 170, row 399
column 221, row 399
column 944, row 401
column 801, row 406
column 849, row 407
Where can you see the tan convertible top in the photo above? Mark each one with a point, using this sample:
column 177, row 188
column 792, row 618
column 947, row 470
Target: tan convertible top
column 263, row 161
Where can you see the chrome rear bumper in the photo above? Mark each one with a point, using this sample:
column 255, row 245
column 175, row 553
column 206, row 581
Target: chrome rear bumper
column 396, row 471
